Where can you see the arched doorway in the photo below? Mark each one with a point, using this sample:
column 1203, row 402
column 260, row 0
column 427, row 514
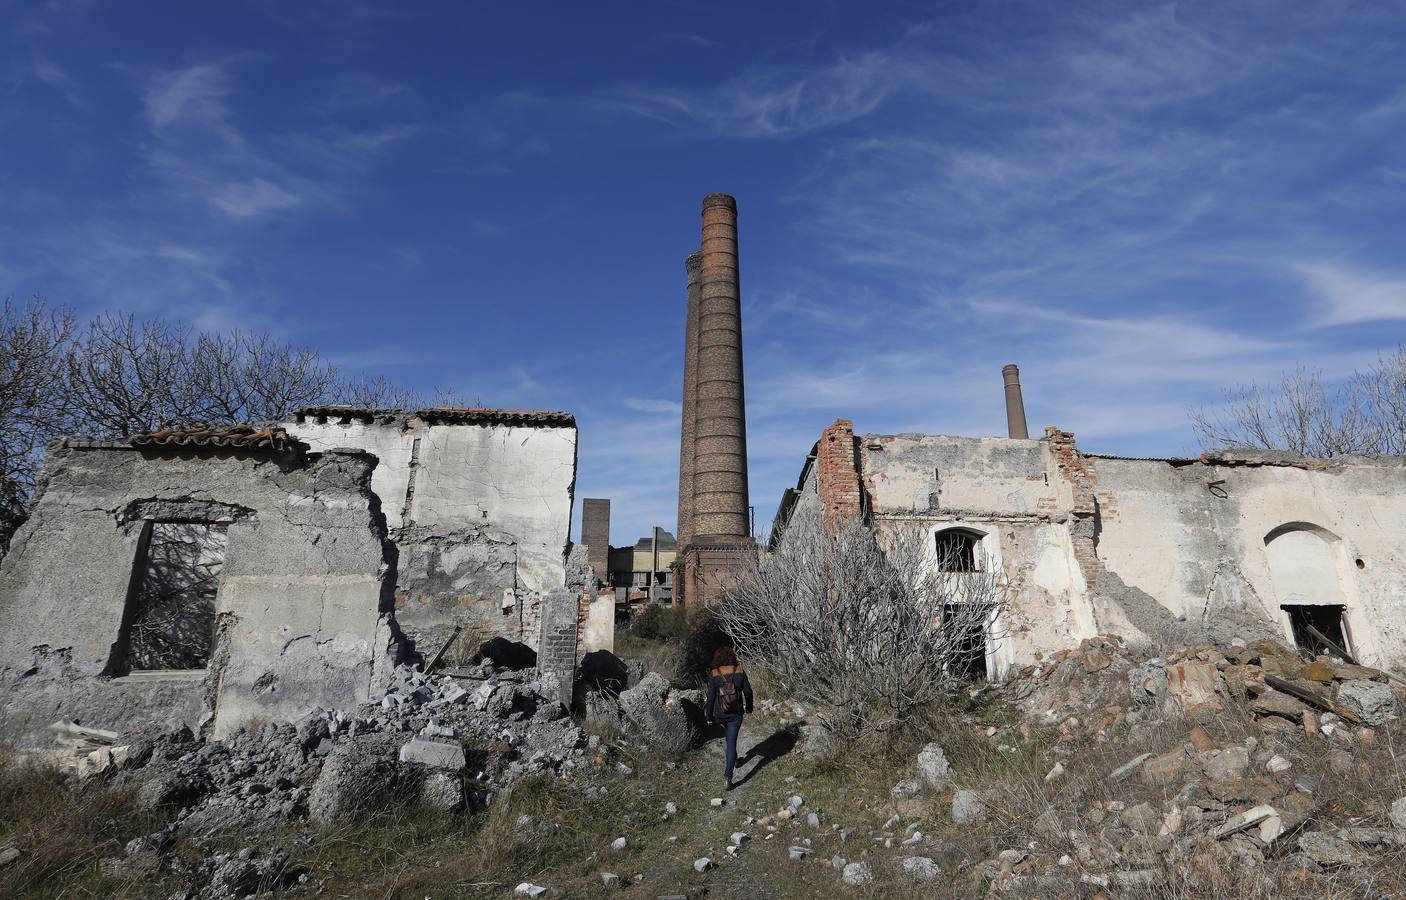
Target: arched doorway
column 1305, row 567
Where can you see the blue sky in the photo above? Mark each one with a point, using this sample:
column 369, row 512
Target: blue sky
column 1139, row 203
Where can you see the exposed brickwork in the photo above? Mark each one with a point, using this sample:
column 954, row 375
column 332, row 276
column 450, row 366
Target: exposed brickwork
column 708, row 569
column 837, row 474
column 595, row 534
column 1080, row 473
column 556, row 649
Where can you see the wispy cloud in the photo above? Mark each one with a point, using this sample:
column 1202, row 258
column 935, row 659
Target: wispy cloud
column 203, row 156
column 772, row 103
column 1346, row 295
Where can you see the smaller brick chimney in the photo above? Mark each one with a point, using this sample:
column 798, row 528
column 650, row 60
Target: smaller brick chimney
column 1015, row 405
column 838, row 474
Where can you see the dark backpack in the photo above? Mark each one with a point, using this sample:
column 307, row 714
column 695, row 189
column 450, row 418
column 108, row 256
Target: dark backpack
column 729, row 697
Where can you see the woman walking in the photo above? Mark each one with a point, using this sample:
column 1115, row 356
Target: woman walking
column 729, row 696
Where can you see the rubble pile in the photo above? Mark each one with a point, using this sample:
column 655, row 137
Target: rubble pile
column 1088, row 690
column 336, row 766
column 1203, row 809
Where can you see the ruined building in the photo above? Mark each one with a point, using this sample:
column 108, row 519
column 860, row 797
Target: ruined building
column 1235, row 543
column 218, row 577
column 714, row 528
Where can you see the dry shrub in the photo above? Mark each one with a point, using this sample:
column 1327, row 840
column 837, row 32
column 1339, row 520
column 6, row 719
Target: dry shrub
column 63, row 829
column 868, row 626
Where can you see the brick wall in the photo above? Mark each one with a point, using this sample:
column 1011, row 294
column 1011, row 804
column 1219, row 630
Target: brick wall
column 595, row 534
column 1079, row 472
column 556, row 649
column 837, row 474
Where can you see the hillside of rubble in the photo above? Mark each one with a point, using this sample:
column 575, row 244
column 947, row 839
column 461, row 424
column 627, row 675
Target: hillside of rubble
column 1244, row 771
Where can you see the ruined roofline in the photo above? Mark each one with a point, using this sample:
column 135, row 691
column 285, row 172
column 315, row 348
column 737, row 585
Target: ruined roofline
column 1245, row 456
column 451, row 415
column 246, row 438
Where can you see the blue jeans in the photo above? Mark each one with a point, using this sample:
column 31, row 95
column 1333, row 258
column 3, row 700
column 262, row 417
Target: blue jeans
column 732, row 724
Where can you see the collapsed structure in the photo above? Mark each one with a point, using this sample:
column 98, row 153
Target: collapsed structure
column 218, row 577
column 1232, row 544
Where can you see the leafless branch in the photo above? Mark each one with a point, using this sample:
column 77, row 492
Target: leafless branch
column 866, row 625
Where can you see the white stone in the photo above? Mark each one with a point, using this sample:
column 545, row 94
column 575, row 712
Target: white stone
column 967, row 807
column 1055, row 772
column 702, row 864
column 527, row 889
column 1398, row 813
column 921, row 868
column 857, row 874
column 618, row 844
column 1278, row 764
column 740, row 837
column 933, row 767
column 434, row 754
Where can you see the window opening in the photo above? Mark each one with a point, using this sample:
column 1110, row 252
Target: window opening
column 956, row 550
column 171, row 615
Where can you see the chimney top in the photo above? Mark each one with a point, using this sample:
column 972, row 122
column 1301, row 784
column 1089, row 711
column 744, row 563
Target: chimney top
column 720, row 200
column 1010, row 367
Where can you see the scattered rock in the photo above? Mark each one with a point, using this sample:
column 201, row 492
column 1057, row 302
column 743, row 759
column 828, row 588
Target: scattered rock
column 1327, row 850
column 702, row 864
column 527, row 889
column 362, row 775
column 857, row 874
column 933, row 767
column 661, row 719
column 921, row 868
column 967, row 807
column 1398, row 813
column 1373, row 701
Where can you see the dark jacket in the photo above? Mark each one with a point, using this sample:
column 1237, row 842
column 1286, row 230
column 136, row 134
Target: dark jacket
column 715, row 679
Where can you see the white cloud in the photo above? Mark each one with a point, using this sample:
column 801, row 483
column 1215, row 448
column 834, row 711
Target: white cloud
column 655, row 407
column 1348, row 295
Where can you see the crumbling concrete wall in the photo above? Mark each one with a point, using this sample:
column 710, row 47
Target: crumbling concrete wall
column 1007, row 492
column 1193, row 534
column 478, row 503
column 1161, row 550
column 299, row 609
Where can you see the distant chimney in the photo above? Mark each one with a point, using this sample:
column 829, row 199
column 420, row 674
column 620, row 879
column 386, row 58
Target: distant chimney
column 720, row 467
column 689, row 430
column 595, row 534
column 1015, row 405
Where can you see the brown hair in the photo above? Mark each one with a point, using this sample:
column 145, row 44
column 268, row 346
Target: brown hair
column 724, row 656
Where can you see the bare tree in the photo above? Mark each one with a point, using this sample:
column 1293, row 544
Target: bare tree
column 1367, row 415
column 122, row 376
column 867, row 626
column 32, row 342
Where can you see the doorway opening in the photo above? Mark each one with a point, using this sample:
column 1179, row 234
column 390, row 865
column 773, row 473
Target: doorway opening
column 1312, row 623
column 964, row 631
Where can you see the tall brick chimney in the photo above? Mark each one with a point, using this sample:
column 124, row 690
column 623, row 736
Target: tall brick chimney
column 1015, row 405
column 688, row 429
column 720, row 467
column 715, row 540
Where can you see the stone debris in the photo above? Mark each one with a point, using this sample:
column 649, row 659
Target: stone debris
column 921, row 868
column 933, row 768
column 967, row 807
column 702, row 864
column 528, row 889
column 857, row 874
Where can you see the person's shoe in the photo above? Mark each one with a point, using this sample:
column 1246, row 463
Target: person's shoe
column 727, row 782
